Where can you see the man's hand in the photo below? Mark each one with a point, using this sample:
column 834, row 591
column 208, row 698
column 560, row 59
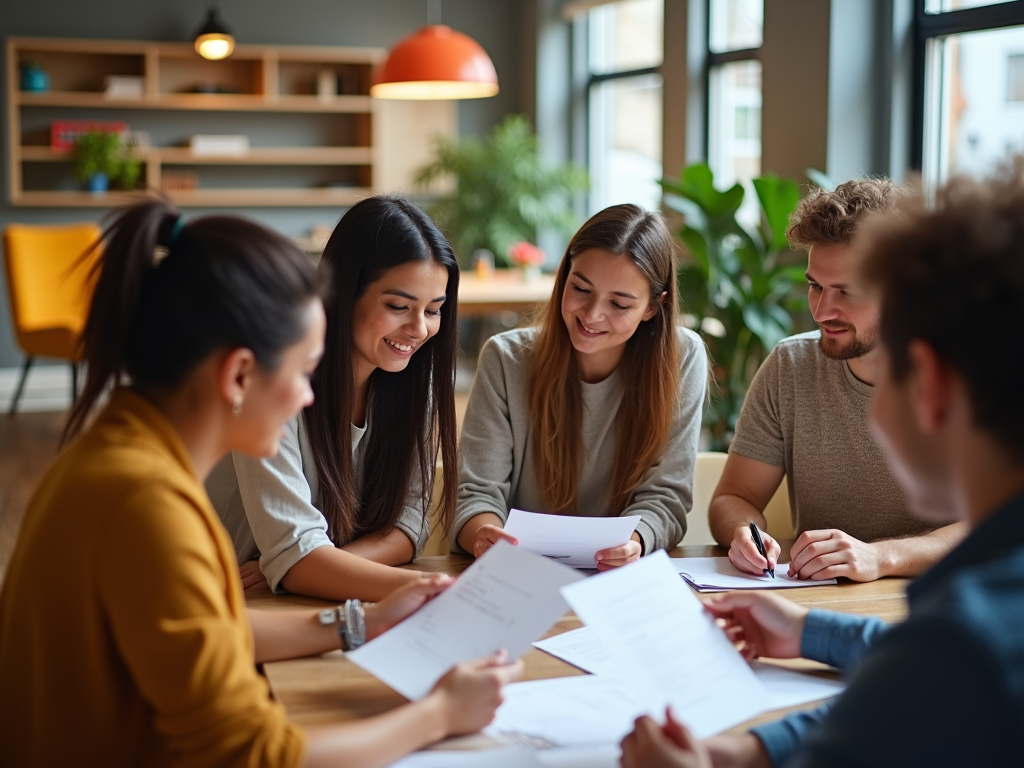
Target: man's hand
column 616, row 557
column 668, row 746
column 829, row 553
column 744, row 555
column 760, row 623
column 744, row 751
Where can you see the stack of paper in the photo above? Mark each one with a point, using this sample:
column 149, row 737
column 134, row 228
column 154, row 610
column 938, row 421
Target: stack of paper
column 718, row 574
column 219, row 145
column 123, row 86
column 569, row 539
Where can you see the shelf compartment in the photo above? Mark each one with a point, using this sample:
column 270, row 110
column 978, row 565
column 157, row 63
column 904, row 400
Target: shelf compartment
column 265, row 198
column 218, row 102
column 257, row 156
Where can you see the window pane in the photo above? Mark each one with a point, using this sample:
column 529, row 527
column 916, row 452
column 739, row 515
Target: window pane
column 626, row 35
column 941, row 6
column 625, row 142
column 736, row 25
column 734, row 127
column 974, row 106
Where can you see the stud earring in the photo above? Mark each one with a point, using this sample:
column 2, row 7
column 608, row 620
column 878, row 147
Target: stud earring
column 236, row 407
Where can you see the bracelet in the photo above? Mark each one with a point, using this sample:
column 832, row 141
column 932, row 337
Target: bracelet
column 354, row 624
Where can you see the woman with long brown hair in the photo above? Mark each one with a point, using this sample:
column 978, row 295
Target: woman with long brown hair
column 347, row 496
column 124, row 635
column 596, row 411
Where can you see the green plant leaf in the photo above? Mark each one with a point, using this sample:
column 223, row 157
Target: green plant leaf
column 778, row 198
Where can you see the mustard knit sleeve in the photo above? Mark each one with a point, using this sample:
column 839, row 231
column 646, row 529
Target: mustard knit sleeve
column 165, row 593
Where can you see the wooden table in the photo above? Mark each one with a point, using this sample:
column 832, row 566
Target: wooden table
column 330, row 688
column 504, row 291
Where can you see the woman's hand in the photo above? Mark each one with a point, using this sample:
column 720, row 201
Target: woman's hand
column 252, row 577
column 403, row 602
column 666, row 746
column 616, row 557
column 760, row 623
column 488, row 536
column 470, row 693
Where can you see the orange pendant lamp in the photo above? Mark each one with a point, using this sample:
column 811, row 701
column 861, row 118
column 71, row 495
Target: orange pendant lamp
column 436, row 63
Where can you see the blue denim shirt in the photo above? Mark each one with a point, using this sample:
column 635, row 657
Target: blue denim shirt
column 944, row 688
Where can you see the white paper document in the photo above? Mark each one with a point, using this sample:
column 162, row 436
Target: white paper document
column 578, row 711
column 491, row 758
column 671, row 652
column 717, row 574
column 786, row 687
column 505, row 599
column 568, row 539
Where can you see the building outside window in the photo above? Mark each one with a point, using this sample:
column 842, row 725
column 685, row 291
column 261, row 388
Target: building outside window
column 970, row 83
column 624, row 95
column 735, row 33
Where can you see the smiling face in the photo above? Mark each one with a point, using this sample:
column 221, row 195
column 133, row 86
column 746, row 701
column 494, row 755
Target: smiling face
column 848, row 317
column 606, row 298
column 395, row 315
column 275, row 397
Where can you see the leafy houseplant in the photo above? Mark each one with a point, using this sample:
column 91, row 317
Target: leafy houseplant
column 733, row 283
column 101, row 156
column 503, row 191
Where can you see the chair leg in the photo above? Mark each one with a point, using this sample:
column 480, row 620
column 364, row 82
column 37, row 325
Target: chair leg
column 21, row 385
column 74, row 381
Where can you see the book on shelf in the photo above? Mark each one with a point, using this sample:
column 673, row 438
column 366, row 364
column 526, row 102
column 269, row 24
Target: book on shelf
column 124, row 87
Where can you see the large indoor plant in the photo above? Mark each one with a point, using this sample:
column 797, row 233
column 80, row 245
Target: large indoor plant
column 504, row 192
column 734, row 280
column 102, row 158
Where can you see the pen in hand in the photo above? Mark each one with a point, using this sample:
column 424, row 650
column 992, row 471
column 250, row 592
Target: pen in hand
column 756, row 534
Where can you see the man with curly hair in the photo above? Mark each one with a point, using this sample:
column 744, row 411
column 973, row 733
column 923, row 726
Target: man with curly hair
column 805, row 418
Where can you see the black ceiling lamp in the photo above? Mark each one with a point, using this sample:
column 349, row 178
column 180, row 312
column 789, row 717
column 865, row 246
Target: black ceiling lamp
column 213, row 40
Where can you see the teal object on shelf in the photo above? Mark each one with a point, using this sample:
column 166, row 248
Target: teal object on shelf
column 34, row 78
column 98, row 182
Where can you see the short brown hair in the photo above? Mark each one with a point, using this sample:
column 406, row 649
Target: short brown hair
column 833, row 216
column 952, row 275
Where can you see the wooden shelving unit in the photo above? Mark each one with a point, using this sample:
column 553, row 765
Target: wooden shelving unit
column 262, row 89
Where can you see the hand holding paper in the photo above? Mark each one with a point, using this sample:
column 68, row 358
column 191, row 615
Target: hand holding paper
column 657, row 633
column 504, row 600
column 569, row 539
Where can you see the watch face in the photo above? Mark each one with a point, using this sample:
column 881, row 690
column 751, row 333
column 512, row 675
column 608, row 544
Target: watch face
column 327, row 617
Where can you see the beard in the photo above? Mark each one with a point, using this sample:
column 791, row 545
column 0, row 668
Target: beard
column 850, row 348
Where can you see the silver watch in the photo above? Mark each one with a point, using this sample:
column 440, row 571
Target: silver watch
column 350, row 620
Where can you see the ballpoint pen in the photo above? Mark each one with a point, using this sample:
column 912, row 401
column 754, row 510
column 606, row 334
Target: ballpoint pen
column 760, row 548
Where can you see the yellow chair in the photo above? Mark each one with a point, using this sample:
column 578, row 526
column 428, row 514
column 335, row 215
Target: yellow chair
column 707, row 472
column 49, row 291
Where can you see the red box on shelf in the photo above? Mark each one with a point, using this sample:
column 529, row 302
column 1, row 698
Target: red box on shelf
column 64, row 133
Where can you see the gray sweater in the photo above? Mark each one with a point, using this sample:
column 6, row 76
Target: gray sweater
column 271, row 507
column 496, row 452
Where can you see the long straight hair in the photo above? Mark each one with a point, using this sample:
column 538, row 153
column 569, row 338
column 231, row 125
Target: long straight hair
column 170, row 293
column 412, row 412
column 649, row 368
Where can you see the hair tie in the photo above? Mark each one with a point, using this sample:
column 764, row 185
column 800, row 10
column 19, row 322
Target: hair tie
column 162, row 251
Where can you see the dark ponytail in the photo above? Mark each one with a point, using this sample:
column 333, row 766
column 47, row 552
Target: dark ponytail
column 169, row 293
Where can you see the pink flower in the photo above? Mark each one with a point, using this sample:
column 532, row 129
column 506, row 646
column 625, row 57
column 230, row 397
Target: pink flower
column 523, row 254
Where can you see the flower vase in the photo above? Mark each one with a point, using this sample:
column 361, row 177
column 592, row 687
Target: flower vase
column 530, row 272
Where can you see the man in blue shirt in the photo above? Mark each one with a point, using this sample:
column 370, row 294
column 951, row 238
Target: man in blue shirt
column 946, row 687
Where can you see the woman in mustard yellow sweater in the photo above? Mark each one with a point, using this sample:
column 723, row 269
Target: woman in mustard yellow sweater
column 124, row 636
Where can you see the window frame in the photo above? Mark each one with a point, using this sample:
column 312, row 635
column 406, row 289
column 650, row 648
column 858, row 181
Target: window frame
column 928, row 26
column 594, row 79
column 713, row 61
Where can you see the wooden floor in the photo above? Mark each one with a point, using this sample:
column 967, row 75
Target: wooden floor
column 28, row 443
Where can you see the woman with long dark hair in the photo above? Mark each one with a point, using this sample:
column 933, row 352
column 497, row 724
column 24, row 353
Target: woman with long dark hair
column 597, row 410
column 124, row 635
column 346, row 497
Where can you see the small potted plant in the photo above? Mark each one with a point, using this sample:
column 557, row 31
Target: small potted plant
column 102, row 158
column 528, row 257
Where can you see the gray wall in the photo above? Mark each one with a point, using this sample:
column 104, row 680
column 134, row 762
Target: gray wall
column 500, row 26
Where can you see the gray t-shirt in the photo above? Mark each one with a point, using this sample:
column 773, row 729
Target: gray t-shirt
column 496, row 452
column 808, row 414
column 271, row 507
